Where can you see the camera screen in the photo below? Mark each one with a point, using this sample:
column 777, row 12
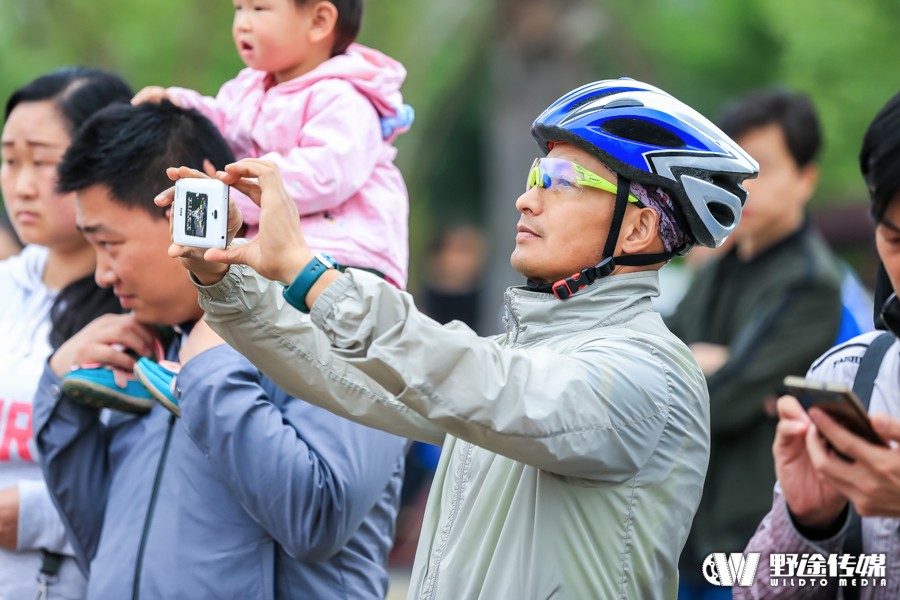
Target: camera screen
column 195, row 215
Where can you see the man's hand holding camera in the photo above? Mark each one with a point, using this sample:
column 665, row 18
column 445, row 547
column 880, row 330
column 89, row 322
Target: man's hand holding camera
column 206, row 272
column 279, row 252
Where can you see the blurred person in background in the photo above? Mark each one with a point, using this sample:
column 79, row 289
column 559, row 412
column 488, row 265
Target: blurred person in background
column 453, row 276
column 763, row 310
column 49, row 293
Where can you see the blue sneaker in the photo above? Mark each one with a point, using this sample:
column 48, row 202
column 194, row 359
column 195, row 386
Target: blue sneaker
column 160, row 382
column 96, row 387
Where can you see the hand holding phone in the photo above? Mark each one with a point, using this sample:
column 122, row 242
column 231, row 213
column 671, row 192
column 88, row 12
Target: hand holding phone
column 838, row 401
column 200, row 213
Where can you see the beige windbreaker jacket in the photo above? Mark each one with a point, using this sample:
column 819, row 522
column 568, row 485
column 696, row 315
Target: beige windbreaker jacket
column 574, row 446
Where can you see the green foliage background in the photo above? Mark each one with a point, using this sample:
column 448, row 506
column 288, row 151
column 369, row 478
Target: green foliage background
column 842, row 52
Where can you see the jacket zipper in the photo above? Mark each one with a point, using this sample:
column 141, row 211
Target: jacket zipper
column 465, row 458
column 149, row 518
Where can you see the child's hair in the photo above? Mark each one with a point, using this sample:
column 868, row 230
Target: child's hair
column 348, row 22
column 793, row 112
column 127, row 149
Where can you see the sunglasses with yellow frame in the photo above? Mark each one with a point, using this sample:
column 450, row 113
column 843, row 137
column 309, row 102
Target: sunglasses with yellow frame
column 560, row 175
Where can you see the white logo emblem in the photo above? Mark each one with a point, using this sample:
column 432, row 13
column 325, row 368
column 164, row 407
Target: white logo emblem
column 728, row 570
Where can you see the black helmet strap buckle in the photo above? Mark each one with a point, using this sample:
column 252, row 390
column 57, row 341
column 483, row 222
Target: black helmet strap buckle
column 564, row 288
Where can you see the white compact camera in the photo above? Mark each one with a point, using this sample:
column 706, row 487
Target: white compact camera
column 200, row 213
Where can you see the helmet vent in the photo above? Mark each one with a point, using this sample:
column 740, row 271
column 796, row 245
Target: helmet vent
column 625, row 103
column 721, row 213
column 643, row 132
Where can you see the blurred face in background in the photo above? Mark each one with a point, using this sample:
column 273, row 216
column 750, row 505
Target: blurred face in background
column 33, row 141
column 778, row 196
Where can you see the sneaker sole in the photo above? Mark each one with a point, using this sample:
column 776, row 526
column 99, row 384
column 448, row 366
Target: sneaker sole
column 167, row 404
column 99, row 396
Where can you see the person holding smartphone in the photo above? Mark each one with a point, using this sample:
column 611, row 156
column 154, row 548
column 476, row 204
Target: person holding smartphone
column 810, row 513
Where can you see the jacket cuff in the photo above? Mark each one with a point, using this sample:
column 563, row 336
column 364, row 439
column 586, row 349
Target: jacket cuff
column 225, row 289
column 39, row 524
column 325, row 305
column 828, row 545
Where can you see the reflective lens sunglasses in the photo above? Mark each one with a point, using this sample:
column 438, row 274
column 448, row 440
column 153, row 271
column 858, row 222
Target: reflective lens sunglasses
column 559, row 175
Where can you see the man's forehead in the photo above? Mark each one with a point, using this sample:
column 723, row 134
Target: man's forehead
column 95, row 212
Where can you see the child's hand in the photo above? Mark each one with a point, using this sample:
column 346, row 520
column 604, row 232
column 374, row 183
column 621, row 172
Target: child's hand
column 201, row 339
column 207, row 273
column 153, row 93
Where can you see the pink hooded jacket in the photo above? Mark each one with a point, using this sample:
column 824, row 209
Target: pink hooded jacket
column 323, row 130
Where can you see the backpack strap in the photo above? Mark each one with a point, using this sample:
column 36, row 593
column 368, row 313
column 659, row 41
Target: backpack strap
column 863, row 384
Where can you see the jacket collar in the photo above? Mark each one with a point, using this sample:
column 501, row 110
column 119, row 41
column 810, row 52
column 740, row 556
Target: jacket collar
column 532, row 315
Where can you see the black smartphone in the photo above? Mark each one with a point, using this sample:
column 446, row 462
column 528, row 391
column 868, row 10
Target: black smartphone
column 838, row 401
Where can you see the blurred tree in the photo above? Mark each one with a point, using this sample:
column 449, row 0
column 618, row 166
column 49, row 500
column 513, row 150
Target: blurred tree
column 474, row 62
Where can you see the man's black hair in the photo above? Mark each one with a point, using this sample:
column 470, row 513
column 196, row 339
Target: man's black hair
column 879, row 159
column 127, row 149
column 78, row 92
column 349, row 21
column 793, row 112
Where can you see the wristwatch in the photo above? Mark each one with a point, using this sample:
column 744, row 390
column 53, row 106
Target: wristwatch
column 295, row 294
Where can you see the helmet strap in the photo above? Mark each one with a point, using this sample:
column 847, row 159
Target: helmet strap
column 564, row 288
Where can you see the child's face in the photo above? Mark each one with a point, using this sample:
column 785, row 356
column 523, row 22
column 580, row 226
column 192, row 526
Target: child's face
column 275, row 36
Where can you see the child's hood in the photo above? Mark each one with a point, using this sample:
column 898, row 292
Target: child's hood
column 374, row 74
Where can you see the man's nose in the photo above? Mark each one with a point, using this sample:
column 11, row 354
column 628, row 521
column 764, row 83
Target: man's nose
column 104, row 274
column 530, row 201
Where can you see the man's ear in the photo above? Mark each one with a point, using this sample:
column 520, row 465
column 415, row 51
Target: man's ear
column 809, row 179
column 324, row 20
column 640, row 232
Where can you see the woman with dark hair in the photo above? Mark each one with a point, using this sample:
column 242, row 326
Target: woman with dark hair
column 49, row 293
column 9, row 243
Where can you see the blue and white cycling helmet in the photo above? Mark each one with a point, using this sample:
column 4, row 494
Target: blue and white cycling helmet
column 645, row 135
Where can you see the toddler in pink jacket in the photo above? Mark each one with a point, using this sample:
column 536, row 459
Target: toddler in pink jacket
column 325, row 110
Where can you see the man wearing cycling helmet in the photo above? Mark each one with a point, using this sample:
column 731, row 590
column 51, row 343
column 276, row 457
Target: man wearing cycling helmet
column 574, row 446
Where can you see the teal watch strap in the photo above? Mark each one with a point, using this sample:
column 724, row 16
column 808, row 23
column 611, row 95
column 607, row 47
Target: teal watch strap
column 295, row 294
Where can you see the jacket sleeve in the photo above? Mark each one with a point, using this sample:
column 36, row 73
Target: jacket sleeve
column 311, row 477
column 777, row 534
column 73, row 444
column 784, row 337
column 338, row 148
column 40, row 526
column 371, row 349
